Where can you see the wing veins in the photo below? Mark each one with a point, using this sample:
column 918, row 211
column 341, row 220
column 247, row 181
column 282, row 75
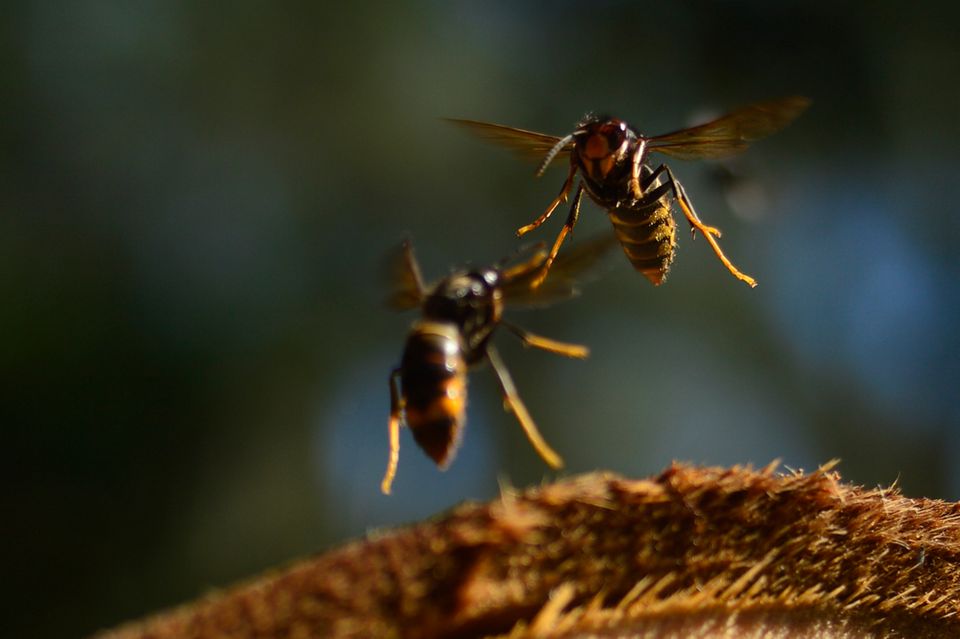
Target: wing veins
column 730, row 134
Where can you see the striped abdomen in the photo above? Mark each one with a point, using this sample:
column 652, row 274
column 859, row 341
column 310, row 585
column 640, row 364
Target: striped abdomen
column 648, row 234
column 433, row 384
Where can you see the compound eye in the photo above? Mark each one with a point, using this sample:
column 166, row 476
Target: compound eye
column 616, row 135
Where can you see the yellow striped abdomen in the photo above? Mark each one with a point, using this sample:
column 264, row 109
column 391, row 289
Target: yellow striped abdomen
column 648, row 234
column 433, row 383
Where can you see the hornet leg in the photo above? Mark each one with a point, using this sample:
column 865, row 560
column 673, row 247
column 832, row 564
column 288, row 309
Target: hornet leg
column 527, row 267
column 635, row 164
column 512, row 399
column 672, row 185
column 545, row 343
column 567, row 227
column 668, row 187
column 561, row 197
column 393, row 429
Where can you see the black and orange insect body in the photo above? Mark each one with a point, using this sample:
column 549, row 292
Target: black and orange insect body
column 647, row 232
column 459, row 316
column 433, row 379
column 612, row 160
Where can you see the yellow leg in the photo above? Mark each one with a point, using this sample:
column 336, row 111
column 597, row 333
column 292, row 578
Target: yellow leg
column 636, row 163
column 527, row 267
column 545, row 343
column 513, row 400
column 562, row 197
column 709, row 232
column 567, row 227
column 393, row 429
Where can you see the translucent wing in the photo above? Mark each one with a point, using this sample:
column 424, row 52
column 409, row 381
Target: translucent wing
column 569, row 269
column 528, row 144
column 731, row 133
column 403, row 274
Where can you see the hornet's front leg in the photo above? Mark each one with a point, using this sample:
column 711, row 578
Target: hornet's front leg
column 567, row 227
column 557, row 201
column 636, row 162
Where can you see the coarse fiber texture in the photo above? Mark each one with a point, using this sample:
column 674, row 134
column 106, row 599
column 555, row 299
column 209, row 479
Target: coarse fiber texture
column 693, row 552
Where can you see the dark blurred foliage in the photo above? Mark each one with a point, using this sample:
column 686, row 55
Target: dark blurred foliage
column 196, row 198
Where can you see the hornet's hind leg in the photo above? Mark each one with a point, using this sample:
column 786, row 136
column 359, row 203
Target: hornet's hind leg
column 512, row 399
column 672, row 185
column 393, row 430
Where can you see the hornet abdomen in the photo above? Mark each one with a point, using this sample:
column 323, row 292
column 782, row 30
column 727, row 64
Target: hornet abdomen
column 648, row 235
column 433, row 382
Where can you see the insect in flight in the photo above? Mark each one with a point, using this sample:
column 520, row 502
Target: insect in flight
column 612, row 159
column 459, row 315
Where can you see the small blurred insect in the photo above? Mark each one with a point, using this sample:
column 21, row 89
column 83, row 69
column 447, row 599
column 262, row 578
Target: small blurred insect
column 611, row 158
column 459, row 315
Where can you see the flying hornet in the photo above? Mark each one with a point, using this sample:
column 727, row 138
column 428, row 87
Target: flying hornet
column 613, row 161
column 458, row 317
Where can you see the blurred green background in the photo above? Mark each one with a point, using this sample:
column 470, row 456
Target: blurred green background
column 196, row 198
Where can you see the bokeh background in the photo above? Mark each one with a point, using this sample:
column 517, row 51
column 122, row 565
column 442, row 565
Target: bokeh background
column 196, row 198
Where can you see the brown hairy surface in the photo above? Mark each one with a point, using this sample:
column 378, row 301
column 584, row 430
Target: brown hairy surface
column 693, row 552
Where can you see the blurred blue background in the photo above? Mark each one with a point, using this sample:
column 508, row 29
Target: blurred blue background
column 196, row 199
